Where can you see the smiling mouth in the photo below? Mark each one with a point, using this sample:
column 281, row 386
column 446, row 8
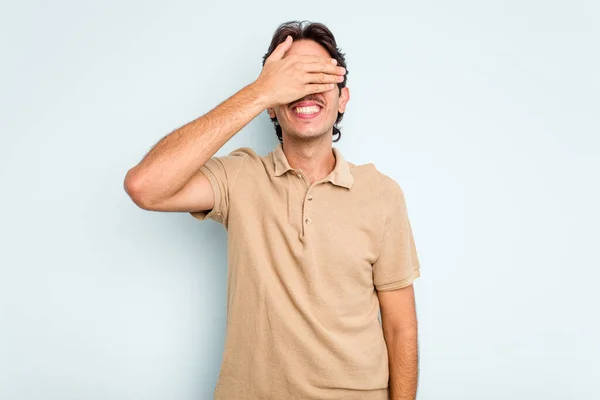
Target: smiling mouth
column 307, row 110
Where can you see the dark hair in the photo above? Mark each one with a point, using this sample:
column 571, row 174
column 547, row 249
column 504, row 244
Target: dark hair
column 322, row 35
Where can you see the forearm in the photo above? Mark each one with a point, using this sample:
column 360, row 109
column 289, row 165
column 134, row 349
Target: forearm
column 403, row 364
column 178, row 156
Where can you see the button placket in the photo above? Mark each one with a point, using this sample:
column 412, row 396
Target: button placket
column 306, row 219
column 305, row 214
column 306, row 205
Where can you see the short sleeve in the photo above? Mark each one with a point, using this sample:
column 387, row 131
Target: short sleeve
column 222, row 173
column 397, row 265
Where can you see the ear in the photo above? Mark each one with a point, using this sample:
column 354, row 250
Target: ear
column 344, row 98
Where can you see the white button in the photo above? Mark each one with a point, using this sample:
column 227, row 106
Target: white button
column 310, row 197
column 308, row 221
column 299, row 176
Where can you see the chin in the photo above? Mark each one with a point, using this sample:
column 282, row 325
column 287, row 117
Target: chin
column 310, row 134
column 309, row 131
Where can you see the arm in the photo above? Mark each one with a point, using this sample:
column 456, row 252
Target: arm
column 399, row 322
column 169, row 177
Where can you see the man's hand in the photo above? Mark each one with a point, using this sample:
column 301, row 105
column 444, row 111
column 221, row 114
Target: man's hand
column 284, row 80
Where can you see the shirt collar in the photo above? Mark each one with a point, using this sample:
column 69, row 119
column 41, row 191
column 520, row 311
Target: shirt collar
column 341, row 174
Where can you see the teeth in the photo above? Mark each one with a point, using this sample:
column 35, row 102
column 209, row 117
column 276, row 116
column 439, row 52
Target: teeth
column 307, row 110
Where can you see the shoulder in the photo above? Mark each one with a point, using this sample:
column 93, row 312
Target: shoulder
column 367, row 177
column 250, row 161
column 244, row 152
column 241, row 157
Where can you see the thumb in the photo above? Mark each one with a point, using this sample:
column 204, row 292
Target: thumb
column 280, row 50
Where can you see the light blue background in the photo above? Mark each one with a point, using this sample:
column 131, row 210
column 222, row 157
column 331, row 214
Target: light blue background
column 486, row 113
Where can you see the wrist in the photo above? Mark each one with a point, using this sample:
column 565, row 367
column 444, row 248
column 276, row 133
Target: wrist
column 260, row 95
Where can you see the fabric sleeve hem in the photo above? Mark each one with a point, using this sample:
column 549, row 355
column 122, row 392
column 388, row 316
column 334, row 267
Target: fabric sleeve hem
column 399, row 284
column 213, row 213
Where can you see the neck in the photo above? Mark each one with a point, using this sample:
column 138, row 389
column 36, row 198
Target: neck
column 314, row 158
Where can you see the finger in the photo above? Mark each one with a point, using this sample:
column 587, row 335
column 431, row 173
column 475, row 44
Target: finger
column 325, row 68
column 319, row 88
column 312, row 59
column 280, row 50
column 322, row 78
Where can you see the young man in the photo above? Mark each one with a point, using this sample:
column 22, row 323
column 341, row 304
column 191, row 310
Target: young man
column 317, row 245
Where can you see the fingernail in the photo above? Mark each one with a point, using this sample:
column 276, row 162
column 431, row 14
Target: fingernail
column 333, row 61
